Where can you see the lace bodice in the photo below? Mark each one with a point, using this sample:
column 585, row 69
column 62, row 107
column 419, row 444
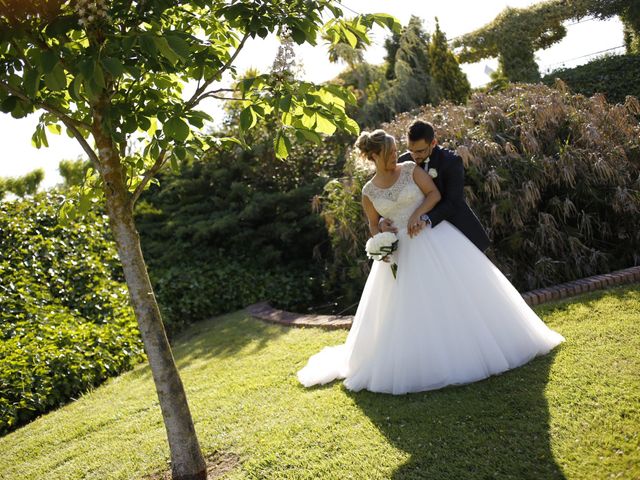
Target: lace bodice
column 400, row 200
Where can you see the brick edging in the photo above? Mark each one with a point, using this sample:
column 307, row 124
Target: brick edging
column 266, row 312
column 589, row 284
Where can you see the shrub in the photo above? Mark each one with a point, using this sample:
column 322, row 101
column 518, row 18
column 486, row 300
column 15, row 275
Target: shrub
column 236, row 227
column 65, row 322
column 613, row 76
column 555, row 178
column 191, row 292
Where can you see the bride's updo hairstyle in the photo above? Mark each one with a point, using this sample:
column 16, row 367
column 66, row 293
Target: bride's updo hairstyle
column 378, row 141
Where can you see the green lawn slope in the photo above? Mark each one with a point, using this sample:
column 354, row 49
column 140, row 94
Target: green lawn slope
column 573, row 414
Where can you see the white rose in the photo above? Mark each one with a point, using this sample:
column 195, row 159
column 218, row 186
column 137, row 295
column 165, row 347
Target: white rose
column 377, row 242
column 433, row 172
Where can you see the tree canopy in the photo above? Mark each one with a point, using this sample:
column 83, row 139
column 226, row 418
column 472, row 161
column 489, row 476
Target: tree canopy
column 516, row 33
column 114, row 74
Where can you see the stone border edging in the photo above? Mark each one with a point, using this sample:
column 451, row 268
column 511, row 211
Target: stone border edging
column 266, row 312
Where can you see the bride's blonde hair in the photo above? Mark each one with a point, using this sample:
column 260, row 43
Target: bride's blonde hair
column 378, row 141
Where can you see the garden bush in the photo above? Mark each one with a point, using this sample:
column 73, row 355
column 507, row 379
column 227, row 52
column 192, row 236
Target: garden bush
column 553, row 176
column 65, row 320
column 614, row 76
column 236, row 227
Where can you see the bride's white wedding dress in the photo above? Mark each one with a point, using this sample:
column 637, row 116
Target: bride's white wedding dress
column 450, row 316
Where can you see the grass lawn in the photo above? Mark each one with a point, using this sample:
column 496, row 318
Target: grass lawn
column 572, row 414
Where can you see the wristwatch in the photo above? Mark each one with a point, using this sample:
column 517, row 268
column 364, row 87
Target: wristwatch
column 425, row 218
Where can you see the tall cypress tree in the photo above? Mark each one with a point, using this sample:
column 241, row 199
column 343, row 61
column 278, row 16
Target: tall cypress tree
column 391, row 45
column 413, row 85
column 445, row 70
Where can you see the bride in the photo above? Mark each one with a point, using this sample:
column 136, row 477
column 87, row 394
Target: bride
column 448, row 317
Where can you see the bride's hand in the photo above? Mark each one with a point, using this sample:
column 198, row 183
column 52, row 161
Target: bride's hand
column 415, row 225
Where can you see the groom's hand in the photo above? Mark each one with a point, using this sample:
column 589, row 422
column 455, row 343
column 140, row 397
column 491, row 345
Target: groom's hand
column 414, row 229
column 415, row 225
column 386, row 225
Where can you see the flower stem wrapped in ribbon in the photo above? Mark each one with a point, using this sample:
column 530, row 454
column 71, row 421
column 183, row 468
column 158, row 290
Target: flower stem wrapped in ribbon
column 380, row 246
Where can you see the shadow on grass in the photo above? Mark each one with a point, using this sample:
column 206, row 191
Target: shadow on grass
column 219, row 337
column 497, row 428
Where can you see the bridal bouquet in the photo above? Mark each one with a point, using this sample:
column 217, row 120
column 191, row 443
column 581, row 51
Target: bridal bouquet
column 381, row 245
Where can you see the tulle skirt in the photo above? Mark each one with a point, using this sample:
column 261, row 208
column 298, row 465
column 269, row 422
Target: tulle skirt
column 450, row 317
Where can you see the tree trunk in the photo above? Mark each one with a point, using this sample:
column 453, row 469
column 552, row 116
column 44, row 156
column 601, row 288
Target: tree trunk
column 187, row 462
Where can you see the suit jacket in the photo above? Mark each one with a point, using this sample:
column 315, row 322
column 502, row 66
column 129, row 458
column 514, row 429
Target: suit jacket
column 449, row 179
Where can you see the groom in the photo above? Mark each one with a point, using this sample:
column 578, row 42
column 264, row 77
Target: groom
column 447, row 171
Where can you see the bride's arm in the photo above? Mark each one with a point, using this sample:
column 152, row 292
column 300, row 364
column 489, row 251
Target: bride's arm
column 431, row 197
column 372, row 215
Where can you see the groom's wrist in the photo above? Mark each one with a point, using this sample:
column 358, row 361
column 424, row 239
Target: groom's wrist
column 425, row 218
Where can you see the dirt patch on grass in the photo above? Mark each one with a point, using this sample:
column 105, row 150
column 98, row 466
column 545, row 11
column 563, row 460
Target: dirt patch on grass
column 218, row 463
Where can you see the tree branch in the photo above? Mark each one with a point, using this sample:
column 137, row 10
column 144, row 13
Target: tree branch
column 44, row 106
column 226, row 66
column 72, row 124
column 195, row 99
column 211, row 95
column 84, row 144
column 148, row 175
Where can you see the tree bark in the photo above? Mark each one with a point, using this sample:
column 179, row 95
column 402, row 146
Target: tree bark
column 187, row 462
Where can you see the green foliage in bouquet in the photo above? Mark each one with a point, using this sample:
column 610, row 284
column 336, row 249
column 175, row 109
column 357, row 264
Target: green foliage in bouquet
column 553, row 176
column 65, row 321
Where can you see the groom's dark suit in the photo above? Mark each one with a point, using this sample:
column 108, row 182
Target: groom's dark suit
column 449, row 178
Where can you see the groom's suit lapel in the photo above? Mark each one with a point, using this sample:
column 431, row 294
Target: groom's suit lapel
column 435, row 163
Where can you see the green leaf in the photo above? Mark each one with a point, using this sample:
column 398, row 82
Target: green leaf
column 39, row 137
column 201, row 115
column 31, row 82
column 180, row 152
column 98, row 76
column 113, row 66
column 246, row 84
column 176, row 128
column 230, row 140
column 56, row 80
column 166, row 51
column 298, row 35
column 285, row 103
column 384, row 19
column 148, row 44
column 179, row 45
column 248, row 118
column 129, row 125
column 352, row 126
column 173, row 161
column 281, row 145
column 311, row 136
column 8, row 104
column 128, row 42
column 35, row 139
column 84, row 202
column 74, row 87
column 54, row 128
column 351, row 38
column 48, row 60
column 324, row 125
column 309, row 120
column 91, row 89
column 144, row 123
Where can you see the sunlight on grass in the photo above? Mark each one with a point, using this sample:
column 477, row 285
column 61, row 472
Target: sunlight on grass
column 571, row 414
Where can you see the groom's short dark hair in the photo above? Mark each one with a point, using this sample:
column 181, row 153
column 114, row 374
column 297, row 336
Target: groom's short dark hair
column 421, row 130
